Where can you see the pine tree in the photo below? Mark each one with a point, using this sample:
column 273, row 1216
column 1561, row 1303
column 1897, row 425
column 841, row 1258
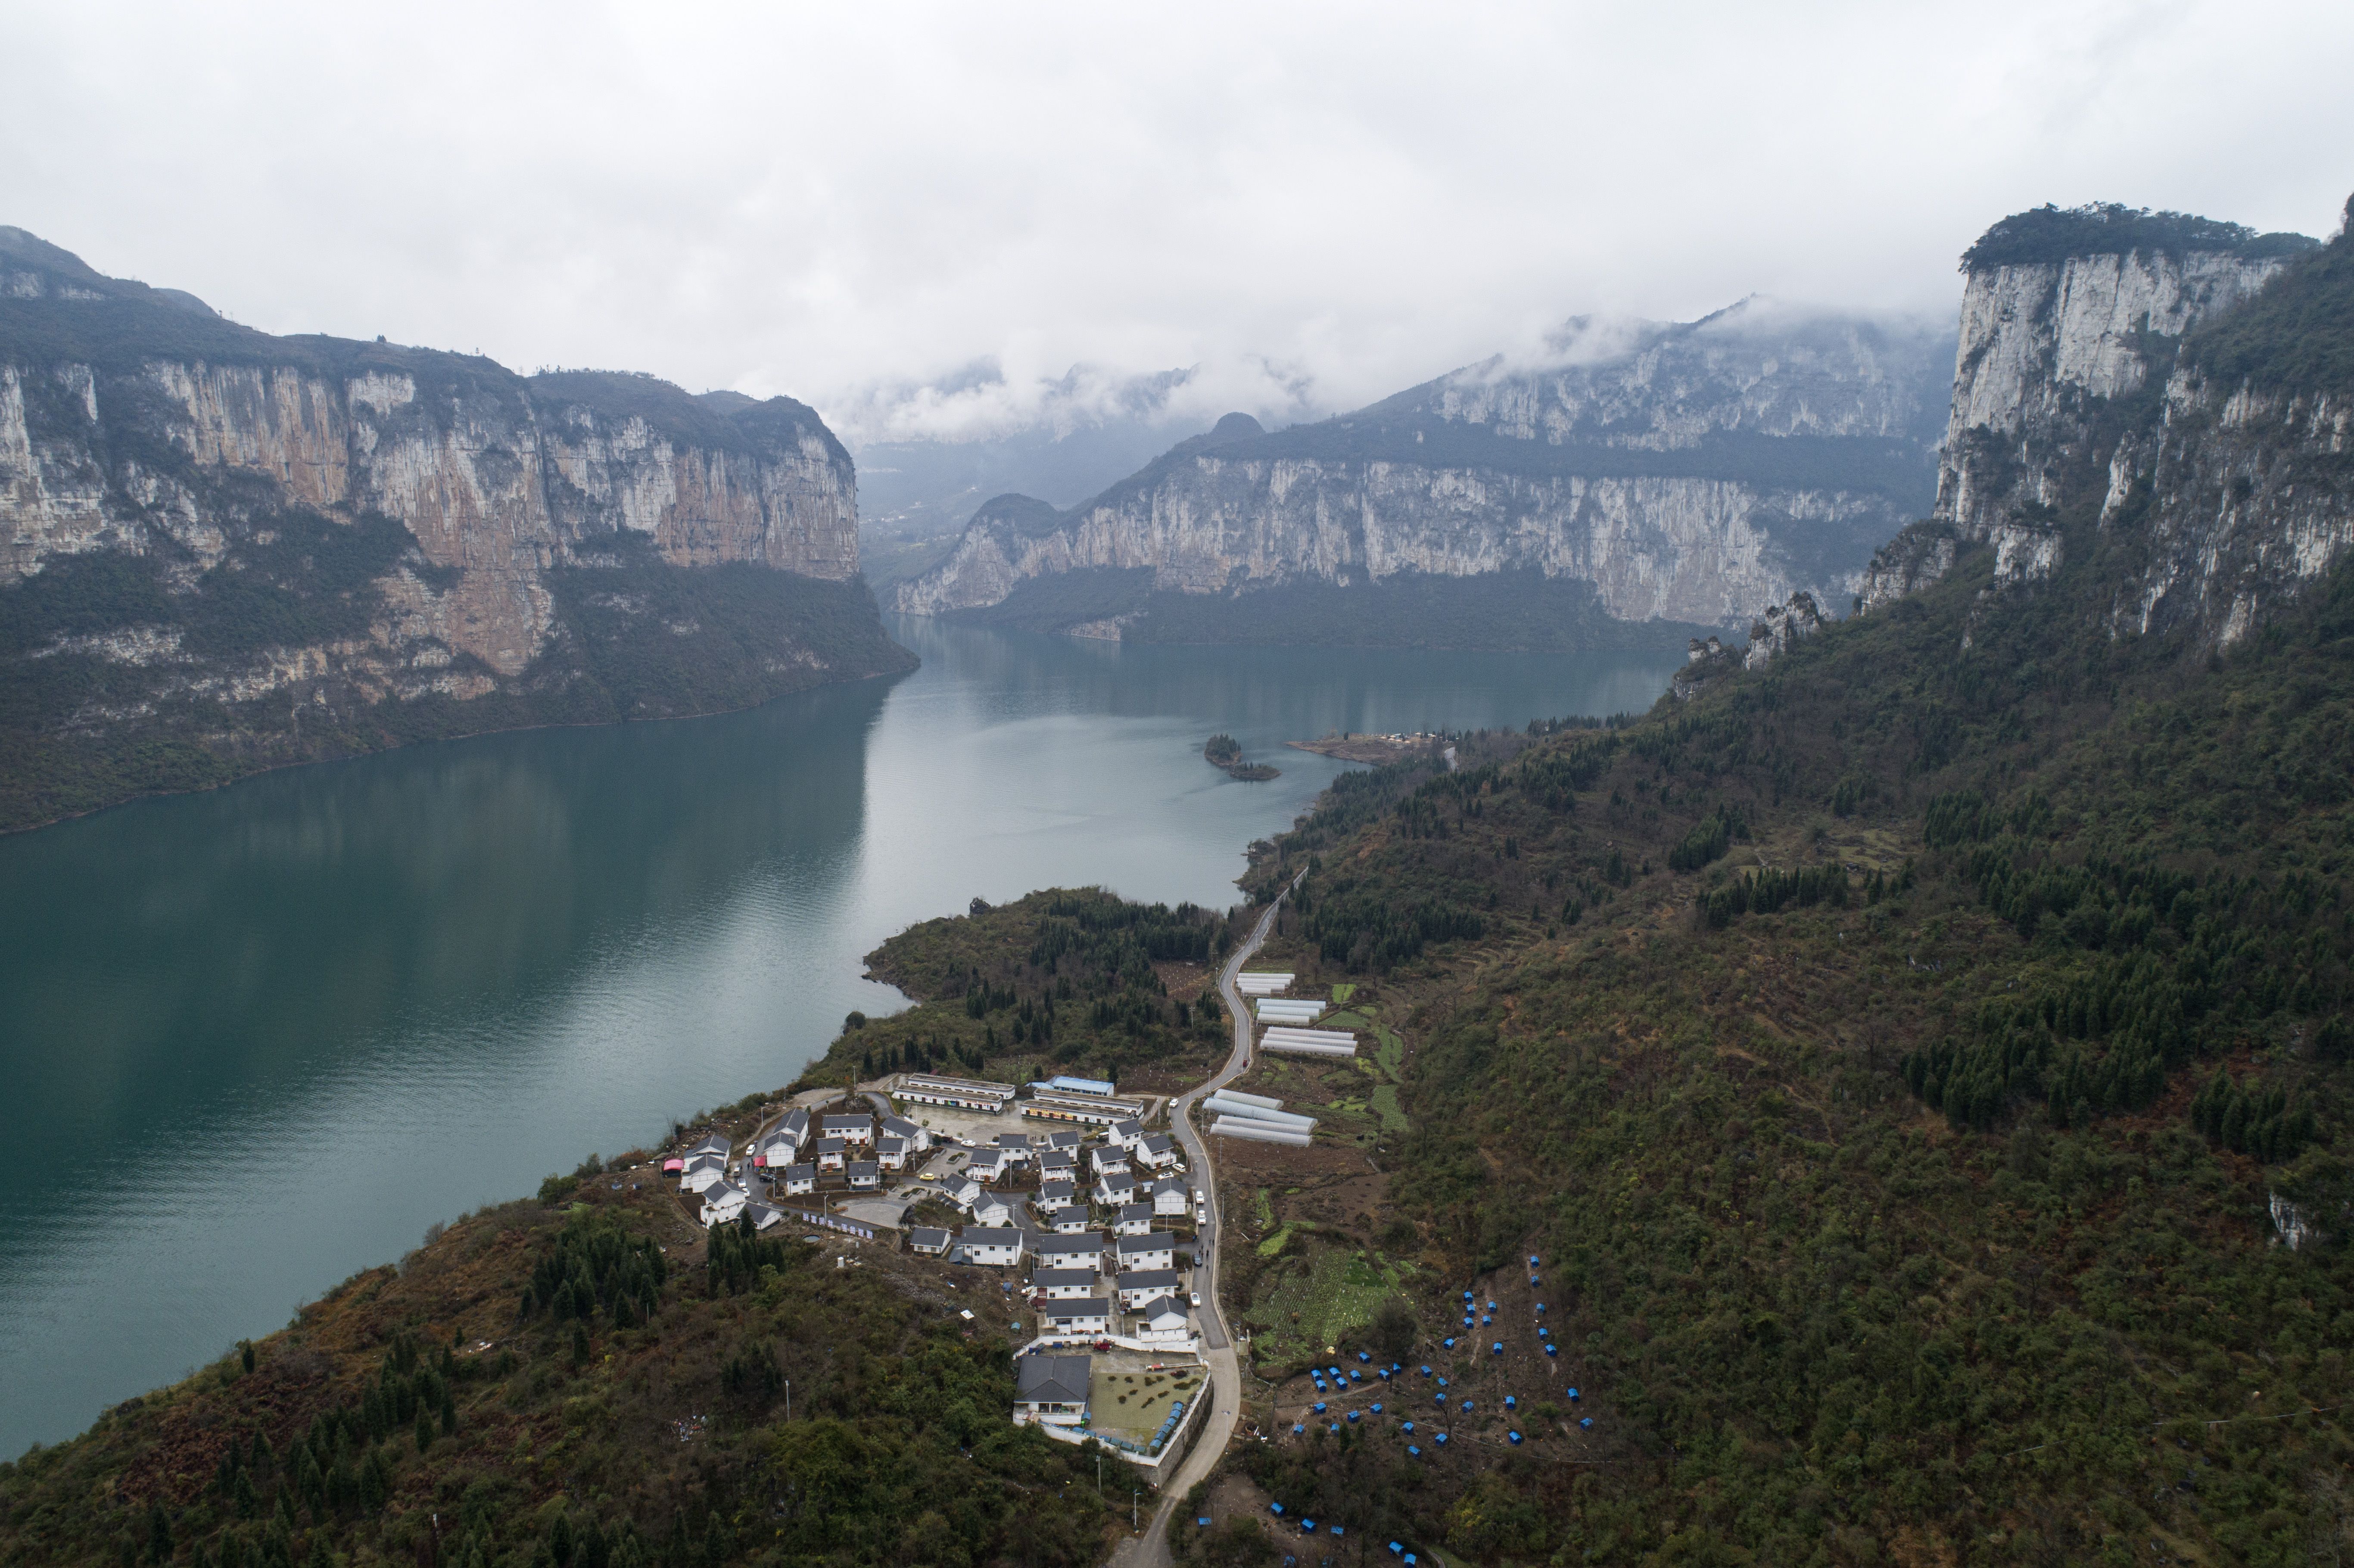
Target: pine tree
column 424, row 1431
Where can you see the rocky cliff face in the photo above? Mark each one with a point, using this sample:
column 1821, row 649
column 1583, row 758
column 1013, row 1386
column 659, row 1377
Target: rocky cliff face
column 237, row 518
column 1692, row 472
column 2138, row 387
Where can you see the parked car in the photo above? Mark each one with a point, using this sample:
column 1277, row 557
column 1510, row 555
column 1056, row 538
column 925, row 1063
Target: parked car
column 1197, row 1298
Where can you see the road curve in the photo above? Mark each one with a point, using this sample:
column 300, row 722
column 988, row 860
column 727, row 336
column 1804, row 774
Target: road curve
column 1151, row 1550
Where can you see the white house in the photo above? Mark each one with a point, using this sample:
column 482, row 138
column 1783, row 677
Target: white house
column 1116, row 1191
column 961, row 1191
column 716, row 1144
column 986, row 1167
column 799, row 1179
column 925, row 1241
column 1063, row 1284
column 764, row 1218
column 1135, row 1220
column 1014, row 1148
column 1052, row 1390
column 1126, row 1133
column 833, row 1154
column 1068, row 1220
column 1089, row 1315
column 891, row 1152
column 795, row 1128
column 1171, row 1196
column 1065, row 1142
column 1135, row 1289
column 858, row 1130
column 723, row 1201
column 702, row 1172
column 1108, row 1160
column 866, row 1175
column 1155, row 1251
column 1084, row 1250
column 1163, row 1322
column 918, row 1139
column 992, row 1212
column 992, row 1247
column 1157, row 1151
column 776, row 1152
column 1056, row 1194
column 1058, row 1165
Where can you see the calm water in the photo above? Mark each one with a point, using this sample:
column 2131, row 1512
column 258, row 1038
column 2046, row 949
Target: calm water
column 255, row 1040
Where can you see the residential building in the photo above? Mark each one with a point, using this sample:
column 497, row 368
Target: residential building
column 1063, row 1284
column 1083, row 1250
column 1068, row 1220
column 722, row 1203
column 992, row 1212
column 1056, row 1194
column 795, row 1128
column 800, row 1180
column 763, row 1216
column 891, row 1152
column 1108, row 1160
column 1065, row 1142
column 1083, row 1110
column 1058, row 1165
column 1012, row 1148
column 1157, row 1250
column 1126, row 1133
column 858, row 1130
column 1089, row 1315
column 992, row 1247
column 702, row 1172
column 1135, row 1289
column 919, row 1140
column 1162, row 1321
column 1157, row 1151
column 1135, row 1220
column 866, row 1175
column 833, row 1153
column 925, row 1241
column 1052, row 1390
column 1116, row 1191
column 1171, row 1197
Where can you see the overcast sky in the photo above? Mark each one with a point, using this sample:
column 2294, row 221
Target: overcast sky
column 1350, row 199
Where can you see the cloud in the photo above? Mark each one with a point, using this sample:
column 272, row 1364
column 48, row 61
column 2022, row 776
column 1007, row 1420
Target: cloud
column 1309, row 206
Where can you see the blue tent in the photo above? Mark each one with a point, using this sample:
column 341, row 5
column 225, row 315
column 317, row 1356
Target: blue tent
column 1515, row 1436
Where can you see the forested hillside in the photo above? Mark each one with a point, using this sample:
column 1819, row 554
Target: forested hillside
column 1911, row 1061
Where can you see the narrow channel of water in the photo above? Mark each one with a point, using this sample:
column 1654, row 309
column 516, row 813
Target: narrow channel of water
column 258, row 1038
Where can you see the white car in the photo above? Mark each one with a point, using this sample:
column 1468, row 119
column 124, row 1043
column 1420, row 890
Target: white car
column 1197, row 1298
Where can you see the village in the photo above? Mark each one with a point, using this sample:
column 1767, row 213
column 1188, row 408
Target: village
column 1093, row 1221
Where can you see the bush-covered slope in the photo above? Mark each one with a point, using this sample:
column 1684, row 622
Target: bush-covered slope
column 582, row 1385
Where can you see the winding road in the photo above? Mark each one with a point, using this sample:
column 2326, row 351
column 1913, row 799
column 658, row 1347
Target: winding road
column 1151, row 1550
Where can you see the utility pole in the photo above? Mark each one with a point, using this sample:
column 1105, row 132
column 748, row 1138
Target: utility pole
column 789, row 1399
column 1132, row 1526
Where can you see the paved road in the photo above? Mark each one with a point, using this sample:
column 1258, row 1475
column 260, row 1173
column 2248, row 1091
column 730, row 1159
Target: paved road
column 1151, row 1550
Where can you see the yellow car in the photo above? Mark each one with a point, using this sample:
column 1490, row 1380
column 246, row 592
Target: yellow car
column 929, row 1177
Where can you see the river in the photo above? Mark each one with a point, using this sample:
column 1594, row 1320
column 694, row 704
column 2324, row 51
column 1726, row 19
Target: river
column 258, row 1038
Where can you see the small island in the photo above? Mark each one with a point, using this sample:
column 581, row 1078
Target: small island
column 1225, row 752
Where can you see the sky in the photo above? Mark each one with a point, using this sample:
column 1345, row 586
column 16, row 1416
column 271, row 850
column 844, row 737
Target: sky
column 1314, row 206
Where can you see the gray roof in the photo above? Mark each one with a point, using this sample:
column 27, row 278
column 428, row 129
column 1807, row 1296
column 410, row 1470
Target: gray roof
column 1012, row 1141
column 1077, row 1306
column 900, row 1127
column 1127, row 1128
column 1054, row 1195
column 1158, row 1143
column 1157, row 1241
column 925, row 1236
column 830, row 1146
column 864, row 1168
column 1051, row 1380
column 1047, row 1278
column 1065, row 1141
column 1067, row 1212
column 801, row 1172
column 848, row 1122
column 982, row 1236
column 1148, row 1279
column 1135, row 1211
column 1160, row 1304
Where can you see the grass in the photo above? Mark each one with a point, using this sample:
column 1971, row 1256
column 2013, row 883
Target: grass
column 1332, row 1292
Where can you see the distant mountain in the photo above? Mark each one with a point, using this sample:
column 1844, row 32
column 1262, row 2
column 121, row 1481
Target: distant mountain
column 221, row 550
column 1687, row 473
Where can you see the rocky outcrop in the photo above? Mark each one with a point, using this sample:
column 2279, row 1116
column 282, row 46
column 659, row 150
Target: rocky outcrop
column 1782, row 627
column 2145, row 385
column 339, row 523
column 1690, row 472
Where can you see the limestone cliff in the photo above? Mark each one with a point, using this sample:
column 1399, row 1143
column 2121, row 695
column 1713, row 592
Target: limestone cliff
column 194, row 514
column 1691, row 472
column 2144, row 388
